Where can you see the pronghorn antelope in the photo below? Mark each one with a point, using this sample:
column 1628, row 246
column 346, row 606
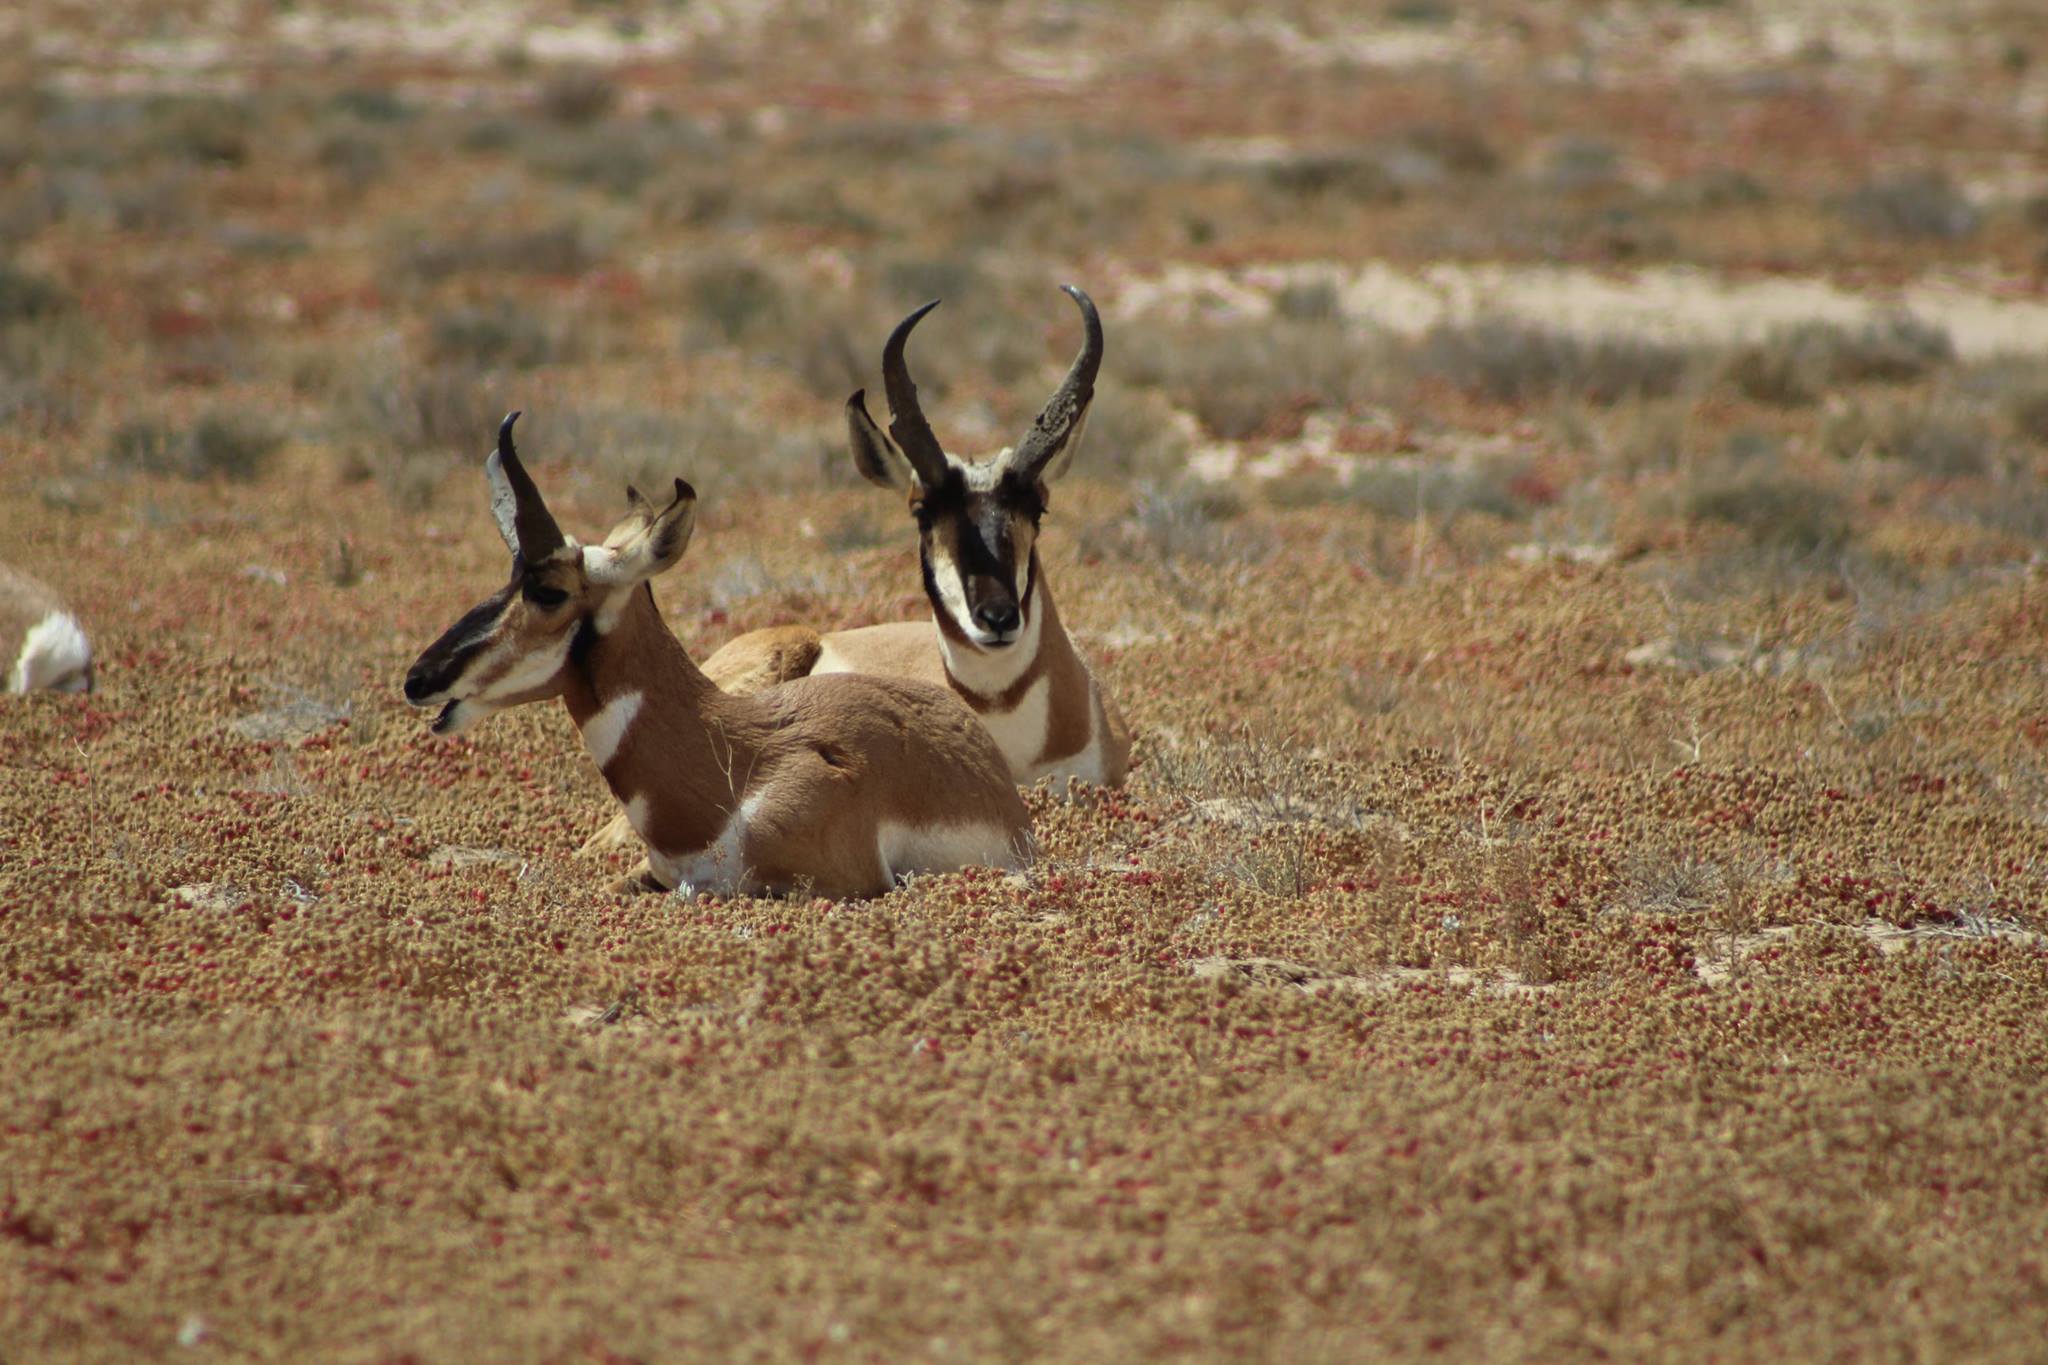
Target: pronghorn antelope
column 838, row 785
column 995, row 637
column 41, row 641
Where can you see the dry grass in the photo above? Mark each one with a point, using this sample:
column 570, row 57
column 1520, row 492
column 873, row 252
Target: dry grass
column 1625, row 948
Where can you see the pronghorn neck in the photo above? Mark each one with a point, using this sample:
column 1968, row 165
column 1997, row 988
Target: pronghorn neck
column 989, row 677
column 656, row 727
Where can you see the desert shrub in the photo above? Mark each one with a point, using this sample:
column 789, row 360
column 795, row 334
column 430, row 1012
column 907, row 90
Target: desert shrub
column 1350, row 176
column 1515, row 362
column 1396, row 488
column 733, row 298
column 354, row 159
column 1795, row 366
column 232, row 446
column 259, row 243
column 648, row 447
column 498, row 334
column 1718, row 187
column 413, row 410
column 28, row 297
column 371, row 104
column 1133, row 434
column 602, row 157
column 2016, row 509
column 204, row 131
column 915, row 279
column 1245, row 379
column 1574, row 164
column 579, row 95
column 2028, row 410
column 1916, row 206
column 1776, row 509
column 33, row 406
column 1944, row 440
column 1456, row 149
column 1308, row 301
column 563, row 248
column 1182, row 520
column 155, row 201
column 1422, row 13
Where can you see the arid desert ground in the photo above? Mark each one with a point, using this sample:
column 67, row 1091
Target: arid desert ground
column 1564, row 514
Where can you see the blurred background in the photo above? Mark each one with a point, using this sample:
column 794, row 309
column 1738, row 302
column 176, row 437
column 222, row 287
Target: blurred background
column 1526, row 245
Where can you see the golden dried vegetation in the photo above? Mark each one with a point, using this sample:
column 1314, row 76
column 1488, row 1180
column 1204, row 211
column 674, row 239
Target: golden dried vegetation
column 1583, row 888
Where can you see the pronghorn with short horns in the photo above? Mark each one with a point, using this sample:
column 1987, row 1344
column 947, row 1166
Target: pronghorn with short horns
column 995, row 637
column 839, row 786
column 41, row 642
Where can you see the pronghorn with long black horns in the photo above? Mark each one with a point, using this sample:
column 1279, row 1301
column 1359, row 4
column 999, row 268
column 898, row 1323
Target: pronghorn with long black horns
column 995, row 637
column 839, row 785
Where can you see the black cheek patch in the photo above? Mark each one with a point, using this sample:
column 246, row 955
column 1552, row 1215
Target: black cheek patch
column 444, row 659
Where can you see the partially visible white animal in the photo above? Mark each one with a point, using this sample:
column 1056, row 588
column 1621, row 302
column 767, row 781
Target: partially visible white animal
column 41, row 643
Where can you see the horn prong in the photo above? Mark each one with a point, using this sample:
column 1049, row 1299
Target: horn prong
column 534, row 526
column 1055, row 423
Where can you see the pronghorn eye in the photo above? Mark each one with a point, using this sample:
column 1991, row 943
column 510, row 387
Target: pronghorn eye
column 546, row 598
column 923, row 515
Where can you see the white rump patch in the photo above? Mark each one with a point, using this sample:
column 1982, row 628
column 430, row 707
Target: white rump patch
column 54, row 654
column 908, row 849
column 719, row 868
column 605, row 731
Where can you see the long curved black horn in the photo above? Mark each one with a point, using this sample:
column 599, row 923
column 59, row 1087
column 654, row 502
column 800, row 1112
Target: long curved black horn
column 1054, row 426
column 533, row 525
column 907, row 424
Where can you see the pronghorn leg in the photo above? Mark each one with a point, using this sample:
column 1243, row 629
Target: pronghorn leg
column 762, row 658
column 640, row 881
column 617, row 835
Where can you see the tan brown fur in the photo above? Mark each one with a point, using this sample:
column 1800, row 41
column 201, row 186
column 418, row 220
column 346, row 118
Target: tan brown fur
column 837, row 785
column 835, row 758
column 1080, row 707
column 27, row 602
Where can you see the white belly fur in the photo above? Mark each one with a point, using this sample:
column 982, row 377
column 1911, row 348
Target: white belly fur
column 908, row 849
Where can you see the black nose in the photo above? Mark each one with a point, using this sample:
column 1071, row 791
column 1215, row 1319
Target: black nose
column 416, row 684
column 997, row 618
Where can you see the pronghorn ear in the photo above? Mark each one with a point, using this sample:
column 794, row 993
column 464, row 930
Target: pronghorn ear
column 641, row 547
column 879, row 459
column 639, row 513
